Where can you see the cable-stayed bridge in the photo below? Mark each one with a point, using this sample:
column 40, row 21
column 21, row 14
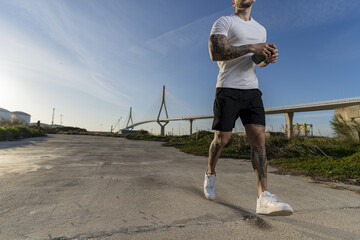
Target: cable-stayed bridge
column 349, row 108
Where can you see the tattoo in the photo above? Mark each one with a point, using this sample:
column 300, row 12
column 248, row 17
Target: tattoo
column 221, row 50
column 215, row 148
column 259, row 162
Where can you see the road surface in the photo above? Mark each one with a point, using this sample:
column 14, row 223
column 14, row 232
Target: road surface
column 86, row 187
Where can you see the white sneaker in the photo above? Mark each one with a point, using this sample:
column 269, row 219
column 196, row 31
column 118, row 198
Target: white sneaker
column 209, row 186
column 269, row 204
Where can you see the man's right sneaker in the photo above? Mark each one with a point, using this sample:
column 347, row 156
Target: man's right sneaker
column 269, row 204
column 209, row 186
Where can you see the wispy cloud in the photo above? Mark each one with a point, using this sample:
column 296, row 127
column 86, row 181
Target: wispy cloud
column 191, row 33
column 273, row 14
column 60, row 50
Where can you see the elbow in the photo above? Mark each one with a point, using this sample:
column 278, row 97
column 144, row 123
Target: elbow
column 214, row 57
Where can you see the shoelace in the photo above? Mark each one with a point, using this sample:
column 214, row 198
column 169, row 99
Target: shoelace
column 275, row 198
column 211, row 181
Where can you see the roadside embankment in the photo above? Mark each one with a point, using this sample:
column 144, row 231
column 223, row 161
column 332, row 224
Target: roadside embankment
column 11, row 133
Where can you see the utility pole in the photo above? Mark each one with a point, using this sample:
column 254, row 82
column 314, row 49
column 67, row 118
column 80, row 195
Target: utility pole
column 53, row 115
column 61, row 119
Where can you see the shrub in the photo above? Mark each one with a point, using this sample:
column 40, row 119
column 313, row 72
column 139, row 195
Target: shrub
column 10, row 133
column 348, row 131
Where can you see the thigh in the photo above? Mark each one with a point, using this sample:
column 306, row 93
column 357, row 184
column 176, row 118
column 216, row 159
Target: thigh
column 253, row 111
column 226, row 108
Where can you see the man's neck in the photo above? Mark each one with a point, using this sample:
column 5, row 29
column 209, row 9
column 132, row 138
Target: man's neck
column 243, row 13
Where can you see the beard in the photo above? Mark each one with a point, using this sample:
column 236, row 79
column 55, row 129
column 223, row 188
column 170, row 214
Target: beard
column 246, row 4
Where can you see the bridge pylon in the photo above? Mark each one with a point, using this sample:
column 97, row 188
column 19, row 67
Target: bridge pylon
column 167, row 116
column 130, row 119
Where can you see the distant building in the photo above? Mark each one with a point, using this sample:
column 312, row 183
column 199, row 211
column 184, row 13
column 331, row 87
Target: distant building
column 5, row 114
column 18, row 117
column 22, row 117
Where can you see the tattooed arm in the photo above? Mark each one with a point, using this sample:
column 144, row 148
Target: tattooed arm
column 221, row 50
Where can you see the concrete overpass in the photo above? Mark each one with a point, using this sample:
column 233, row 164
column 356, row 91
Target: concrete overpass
column 349, row 108
column 340, row 106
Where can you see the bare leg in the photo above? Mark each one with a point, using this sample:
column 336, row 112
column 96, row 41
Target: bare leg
column 256, row 137
column 220, row 140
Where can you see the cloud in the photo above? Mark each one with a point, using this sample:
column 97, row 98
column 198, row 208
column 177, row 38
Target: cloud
column 58, row 48
column 185, row 35
column 273, row 14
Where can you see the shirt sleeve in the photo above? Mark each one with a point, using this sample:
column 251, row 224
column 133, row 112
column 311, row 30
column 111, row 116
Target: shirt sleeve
column 221, row 27
column 265, row 35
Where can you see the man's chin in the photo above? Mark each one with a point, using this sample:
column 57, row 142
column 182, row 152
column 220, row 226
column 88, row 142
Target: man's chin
column 247, row 4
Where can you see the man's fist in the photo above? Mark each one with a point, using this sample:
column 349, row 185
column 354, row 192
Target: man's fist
column 264, row 49
column 264, row 53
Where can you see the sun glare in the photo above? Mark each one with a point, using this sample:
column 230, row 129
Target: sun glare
column 10, row 96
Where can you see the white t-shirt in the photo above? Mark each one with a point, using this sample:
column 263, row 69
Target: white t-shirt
column 240, row 72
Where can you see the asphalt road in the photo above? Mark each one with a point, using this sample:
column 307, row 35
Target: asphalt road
column 85, row 187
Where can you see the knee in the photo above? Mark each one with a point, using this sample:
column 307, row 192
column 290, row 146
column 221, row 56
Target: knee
column 221, row 141
column 258, row 140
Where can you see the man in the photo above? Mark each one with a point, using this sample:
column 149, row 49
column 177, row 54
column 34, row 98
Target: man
column 233, row 41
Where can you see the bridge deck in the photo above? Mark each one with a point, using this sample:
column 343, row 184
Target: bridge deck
column 316, row 106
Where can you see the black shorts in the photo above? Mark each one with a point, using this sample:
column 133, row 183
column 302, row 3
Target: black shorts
column 232, row 103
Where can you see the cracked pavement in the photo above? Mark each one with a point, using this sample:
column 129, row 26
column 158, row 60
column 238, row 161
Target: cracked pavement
column 85, row 187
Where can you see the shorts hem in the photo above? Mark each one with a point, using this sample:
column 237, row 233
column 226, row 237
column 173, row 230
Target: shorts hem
column 222, row 130
column 262, row 124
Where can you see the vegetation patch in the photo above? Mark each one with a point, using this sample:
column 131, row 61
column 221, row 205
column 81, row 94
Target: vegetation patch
column 331, row 158
column 66, row 130
column 11, row 133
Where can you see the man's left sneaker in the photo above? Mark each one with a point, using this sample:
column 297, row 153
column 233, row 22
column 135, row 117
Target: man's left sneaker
column 209, row 186
column 269, row 204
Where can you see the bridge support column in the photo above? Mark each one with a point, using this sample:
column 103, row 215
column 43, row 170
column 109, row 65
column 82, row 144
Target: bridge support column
column 158, row 118
column 191, row 122
column 289, row 124
column 162, row 130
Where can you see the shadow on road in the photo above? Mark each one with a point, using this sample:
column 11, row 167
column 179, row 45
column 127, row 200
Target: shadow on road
column 248, row 216
column 21, row 143
column 317, row 231
column 254, row 219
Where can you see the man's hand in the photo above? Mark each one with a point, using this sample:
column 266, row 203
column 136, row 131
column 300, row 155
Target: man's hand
column 268, row 50
column 274, row 57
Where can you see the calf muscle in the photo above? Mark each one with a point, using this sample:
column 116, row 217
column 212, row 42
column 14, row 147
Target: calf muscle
column 215, row 148
column 259, row 161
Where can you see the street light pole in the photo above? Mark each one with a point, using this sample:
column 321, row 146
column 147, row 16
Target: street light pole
column 53, row 115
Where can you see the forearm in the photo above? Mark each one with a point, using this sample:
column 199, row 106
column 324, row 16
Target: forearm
column 221, row 50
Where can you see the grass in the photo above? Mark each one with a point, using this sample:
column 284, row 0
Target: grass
column 330, row 158
column 11, row 133
column 329, row 167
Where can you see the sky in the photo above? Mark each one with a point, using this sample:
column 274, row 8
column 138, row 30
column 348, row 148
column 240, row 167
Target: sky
column 92, row 60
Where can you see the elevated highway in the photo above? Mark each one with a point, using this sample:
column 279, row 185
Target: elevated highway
column 341, row 106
